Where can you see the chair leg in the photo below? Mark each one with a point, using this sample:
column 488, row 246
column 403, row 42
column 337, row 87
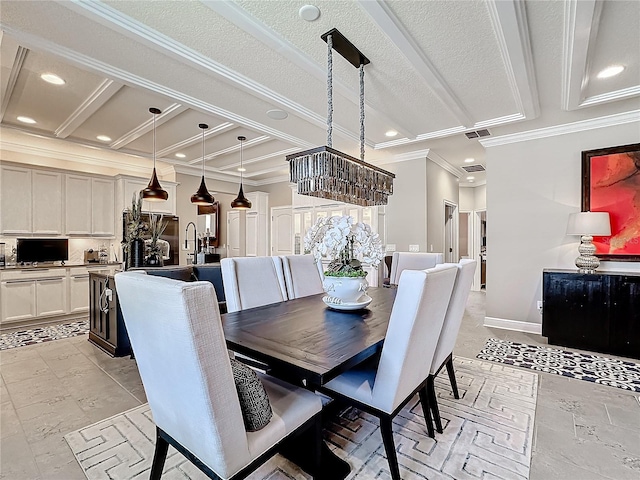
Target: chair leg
column 389, row 446
column 452, row 378
column 426, row 410
column 160, row 455
column 433, row 403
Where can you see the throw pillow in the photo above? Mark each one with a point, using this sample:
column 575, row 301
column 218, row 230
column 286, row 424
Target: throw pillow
column 254, row 402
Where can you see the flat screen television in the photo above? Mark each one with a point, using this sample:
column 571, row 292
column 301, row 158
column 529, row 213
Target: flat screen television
column 42, row 250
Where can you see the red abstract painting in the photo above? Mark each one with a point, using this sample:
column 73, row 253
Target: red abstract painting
column 611, row 183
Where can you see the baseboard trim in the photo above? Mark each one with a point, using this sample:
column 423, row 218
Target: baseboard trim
column 516, row 325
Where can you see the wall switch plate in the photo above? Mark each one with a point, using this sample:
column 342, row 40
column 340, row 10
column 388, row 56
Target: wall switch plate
column 414, row 248
column 540, row 305
column 390, row 247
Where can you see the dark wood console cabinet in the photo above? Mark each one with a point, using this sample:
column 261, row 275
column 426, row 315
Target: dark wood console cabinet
column 106, row 323
column 598, row 312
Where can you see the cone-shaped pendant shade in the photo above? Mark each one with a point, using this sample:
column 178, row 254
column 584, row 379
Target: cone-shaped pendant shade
column 154, row 192
column 242, row 202
column 202, row 196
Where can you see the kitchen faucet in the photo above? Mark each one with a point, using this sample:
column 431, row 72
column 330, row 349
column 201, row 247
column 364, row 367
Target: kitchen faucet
column 195, row 241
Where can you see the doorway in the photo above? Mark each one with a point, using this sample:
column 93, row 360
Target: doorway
column 479, row 249
column 464, row 235
column 450, row 232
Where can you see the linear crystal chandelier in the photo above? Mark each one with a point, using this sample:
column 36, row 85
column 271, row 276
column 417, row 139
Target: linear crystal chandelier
column 328, row 173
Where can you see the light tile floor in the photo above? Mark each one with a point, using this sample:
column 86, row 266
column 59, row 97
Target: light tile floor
column 582, row 431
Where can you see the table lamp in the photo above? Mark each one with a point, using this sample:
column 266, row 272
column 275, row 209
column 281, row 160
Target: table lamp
column 588, row 224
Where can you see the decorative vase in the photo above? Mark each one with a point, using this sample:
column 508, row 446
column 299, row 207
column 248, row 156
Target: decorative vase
column 154, row 260
column 347, row 289
column 136, row 253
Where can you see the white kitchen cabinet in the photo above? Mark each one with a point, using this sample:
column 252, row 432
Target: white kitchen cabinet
column 15, row 200
column 46, row 189
column 51, row 296
column 77, row 205
column 18, row 300
column 78, row 293
column 103, row 207
column 128, row 186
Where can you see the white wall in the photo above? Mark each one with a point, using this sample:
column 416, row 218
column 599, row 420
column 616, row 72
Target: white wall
column 406, row 213
column 533, row 186
column 467, row 200
column 279, row 193
column 441, row 186
column 480, row 197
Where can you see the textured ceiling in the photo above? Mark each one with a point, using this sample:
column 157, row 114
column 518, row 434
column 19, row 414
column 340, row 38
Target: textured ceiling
column 438, row 69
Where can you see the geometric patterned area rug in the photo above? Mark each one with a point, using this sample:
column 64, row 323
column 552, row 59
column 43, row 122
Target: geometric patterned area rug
column 583, row 366
column 44, row 334
column 488, row 433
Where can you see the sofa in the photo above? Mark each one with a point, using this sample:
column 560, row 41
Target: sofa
column 208, row 272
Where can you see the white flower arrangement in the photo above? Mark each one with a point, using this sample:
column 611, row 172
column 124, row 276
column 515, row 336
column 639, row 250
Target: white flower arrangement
column 346, row 243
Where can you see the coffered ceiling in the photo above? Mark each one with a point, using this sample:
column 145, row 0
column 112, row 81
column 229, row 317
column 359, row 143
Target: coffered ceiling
column 438, row 69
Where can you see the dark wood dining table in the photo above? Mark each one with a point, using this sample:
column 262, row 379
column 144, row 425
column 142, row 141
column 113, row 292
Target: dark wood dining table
column 306, row 343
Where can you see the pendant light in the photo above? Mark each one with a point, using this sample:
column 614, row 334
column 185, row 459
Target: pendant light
column 242, row 202
column 202, row 196
column 154, row 191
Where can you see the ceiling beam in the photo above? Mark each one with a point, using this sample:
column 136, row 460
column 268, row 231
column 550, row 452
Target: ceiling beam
column 237, row 15
column 100, row 96
column 387, row 21
column 210, row 133
column 509, row 21
column 8, row 85
column 248, row 161
column 120, row 22
column 233, row 148
column 166, row 115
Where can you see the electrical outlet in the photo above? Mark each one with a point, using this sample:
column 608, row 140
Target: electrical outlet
column 540, row 306
column 414, row 248
column 390, row 247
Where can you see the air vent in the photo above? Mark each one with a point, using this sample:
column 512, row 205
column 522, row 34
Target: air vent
column 478, row 133
column 473, row 168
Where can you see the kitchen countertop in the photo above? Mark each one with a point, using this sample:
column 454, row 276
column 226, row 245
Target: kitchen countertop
column 45, row 266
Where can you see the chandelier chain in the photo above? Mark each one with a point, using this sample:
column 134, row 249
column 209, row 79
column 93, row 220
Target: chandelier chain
column 329, row 89
column 362, row 111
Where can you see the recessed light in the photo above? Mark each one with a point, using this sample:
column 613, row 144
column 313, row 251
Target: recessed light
column 469, row 160
column 611, row 71
column 242, row 169
column 470, row 178
column 309, row 13
column 180, row 155
column 391, row 133
column 277, row 114
column 103, row 138
column 52, row 78
column 26, row 119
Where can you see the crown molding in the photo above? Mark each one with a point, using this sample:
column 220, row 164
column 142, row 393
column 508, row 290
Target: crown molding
column 574, row 127
column 473, row 185
column 269, row 181
column 611, row 96
column 18, row 61
column 509, row 20
column 56, row 154
column 437, row 159
column 91, row 104
column 223, row 177
column 405, row 157
column 128, row 78
column 122, row 23
column 248, row 161
column 231, row 149
column 210, row 133
column 242, row 19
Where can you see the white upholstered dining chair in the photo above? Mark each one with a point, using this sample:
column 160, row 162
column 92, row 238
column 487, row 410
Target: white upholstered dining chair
column 414, row 327
column 412, row 261
column 252, row 282
column 176, row 335
column 302, row 276
column 449, row 333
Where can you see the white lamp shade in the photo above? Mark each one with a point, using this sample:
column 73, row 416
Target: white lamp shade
column 589, row 223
